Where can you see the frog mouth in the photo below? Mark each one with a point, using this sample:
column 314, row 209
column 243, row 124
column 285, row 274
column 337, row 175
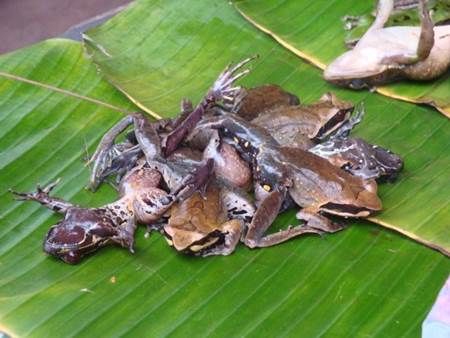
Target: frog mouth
column 346, row 210
column 334, row 123
column 203, row 245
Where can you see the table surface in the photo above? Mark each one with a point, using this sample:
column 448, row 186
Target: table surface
column 24, row 22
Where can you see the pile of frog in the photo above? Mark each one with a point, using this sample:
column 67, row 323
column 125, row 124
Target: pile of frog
column 220, row 173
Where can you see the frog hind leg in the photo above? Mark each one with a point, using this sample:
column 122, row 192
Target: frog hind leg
column 147, row 136
column 101, row 157
column 426, row 41
column 314, row 220
column 122, row 164
column 186, row 107
column 233, row 231
column 263, row 218
column 42, row 196
column 384, row 10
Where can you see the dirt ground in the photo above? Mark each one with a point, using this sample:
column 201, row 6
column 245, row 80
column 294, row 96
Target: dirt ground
column 23, row 22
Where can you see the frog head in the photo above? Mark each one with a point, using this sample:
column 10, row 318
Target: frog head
column 81, row 232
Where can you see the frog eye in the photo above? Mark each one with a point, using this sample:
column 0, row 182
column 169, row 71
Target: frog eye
column 246, row 144
column 267, row 187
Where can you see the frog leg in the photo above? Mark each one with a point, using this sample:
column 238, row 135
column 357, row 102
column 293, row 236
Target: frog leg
column 316, row 221
column 186, row 107
column 125, row 237
column 101, row 158
column 263, row 218
column 238, row 204
column 123, row 163
column 345, row 129
column 194, row 182
column 147, row 136
column 42, row 196
column 232, row 231
column 222, row 90
column 426, row 41
column 152, row 204
column 384, row 10
column 150, row 143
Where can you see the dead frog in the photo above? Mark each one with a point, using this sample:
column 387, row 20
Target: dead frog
column 84, row 230
column 323, row 128
column 384, row 55
column 312, row 182
column 360, row 158
column 159, row 140
column 303, row 126
column 209, row 225
column 253, row 101
column 141, row 200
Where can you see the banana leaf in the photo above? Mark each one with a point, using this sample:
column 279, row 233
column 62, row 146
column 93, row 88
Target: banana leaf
column 314, row 31
column 54, row 108
column 177, row 51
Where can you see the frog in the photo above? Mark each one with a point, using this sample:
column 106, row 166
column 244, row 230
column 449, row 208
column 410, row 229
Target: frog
column 111, row 158
column 312, row 182
column 211, row 224
column 323, row 128
column 84, row 230
column 360, row 158
column 385, row 55
column 224, row 90
column 304, row 125
column 146, row 193
column 404, row 13
column 253, row 101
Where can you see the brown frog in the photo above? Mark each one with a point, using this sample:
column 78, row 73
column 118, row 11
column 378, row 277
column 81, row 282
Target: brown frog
column 211, row 224
column 84, row 230
column 311, row 181
column 328, row 121
column 142, row 199
column 158, row 140
column 251, row 102
column 384, row 55
column 303, row 125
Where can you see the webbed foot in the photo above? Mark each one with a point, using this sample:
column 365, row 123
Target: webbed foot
column 222, row 90
column 42, row 196
column 266, row 213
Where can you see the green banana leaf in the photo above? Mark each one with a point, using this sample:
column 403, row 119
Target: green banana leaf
column 55, row 107
column 176, row 51
column 314, row 31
